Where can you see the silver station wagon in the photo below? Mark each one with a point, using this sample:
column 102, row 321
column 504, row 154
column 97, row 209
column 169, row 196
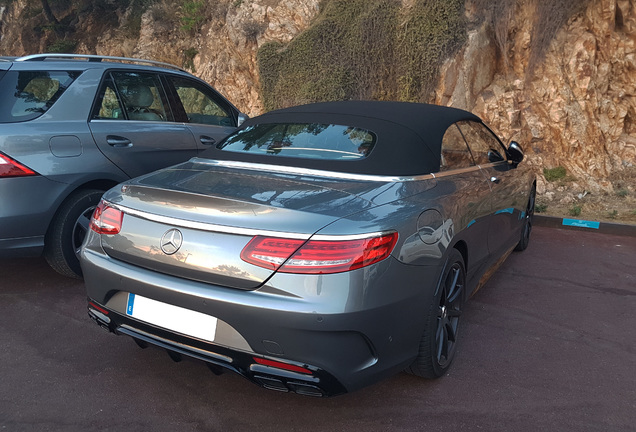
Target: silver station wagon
column 318, row 249
column 72, row 126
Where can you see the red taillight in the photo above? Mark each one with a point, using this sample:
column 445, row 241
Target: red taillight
column 11, row 168
column 106, row 219
column 317, row 256
column 281, row 365
column 269, row 252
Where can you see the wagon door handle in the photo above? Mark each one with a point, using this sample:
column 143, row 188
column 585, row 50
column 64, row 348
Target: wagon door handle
column 117, row 141
column 495, row 179
column 206, row 140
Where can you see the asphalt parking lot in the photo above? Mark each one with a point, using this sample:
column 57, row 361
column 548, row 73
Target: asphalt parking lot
column 549, row 343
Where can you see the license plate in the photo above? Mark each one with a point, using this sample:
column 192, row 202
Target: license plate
column 175, row 318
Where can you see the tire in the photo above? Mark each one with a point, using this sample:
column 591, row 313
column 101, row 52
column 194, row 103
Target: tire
column 67, row 231
column 526, row 230
column 439, row 340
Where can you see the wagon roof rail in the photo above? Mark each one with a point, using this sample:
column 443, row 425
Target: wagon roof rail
column 96, row 58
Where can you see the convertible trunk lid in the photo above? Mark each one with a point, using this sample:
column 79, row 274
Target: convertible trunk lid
column 210, row 214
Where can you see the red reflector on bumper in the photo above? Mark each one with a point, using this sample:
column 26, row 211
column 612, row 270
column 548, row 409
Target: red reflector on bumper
column 101, row 309
column 281, row 365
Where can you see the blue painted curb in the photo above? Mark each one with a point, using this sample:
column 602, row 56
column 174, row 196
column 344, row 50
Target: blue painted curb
column 581, row 223
column 585, row 225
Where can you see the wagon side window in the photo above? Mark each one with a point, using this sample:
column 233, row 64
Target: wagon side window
column 455, row 153
column 131, row 96
column 26, row 95
column 201, row 105
column 484, row 145
column 109, row 107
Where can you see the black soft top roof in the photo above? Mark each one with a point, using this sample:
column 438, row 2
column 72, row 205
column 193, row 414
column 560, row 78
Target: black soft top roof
column 409, row 135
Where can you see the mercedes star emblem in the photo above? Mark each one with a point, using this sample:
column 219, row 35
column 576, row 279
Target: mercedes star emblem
column 171, row 241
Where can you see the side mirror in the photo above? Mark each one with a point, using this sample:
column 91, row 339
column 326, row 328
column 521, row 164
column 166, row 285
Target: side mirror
column 494, row 156
column 241, row 118
column 515, row 153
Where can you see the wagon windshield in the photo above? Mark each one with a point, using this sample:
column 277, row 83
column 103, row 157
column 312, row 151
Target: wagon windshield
column 302, row 140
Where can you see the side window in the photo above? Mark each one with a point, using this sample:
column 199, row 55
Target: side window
column 27, row 95
column 200, row 104
column 131, row 96
column 455, row 152
column 110, row 108
column 484, row 145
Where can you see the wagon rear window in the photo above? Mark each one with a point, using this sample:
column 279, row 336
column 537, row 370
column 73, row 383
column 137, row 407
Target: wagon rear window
column 308, row 141
column 31, row 94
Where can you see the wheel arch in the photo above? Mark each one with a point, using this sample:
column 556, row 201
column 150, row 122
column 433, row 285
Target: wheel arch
column 99, row 184
column 462, row 248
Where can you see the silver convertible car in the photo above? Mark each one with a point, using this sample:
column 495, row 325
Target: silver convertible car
column 318, row 249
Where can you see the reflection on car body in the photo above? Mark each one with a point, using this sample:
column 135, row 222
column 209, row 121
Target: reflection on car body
column 319, row 272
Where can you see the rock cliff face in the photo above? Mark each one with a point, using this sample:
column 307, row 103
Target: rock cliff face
column 223, row 50
column 576, row 109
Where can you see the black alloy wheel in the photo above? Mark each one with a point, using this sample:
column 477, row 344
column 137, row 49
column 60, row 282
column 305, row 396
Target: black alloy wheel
column 448, row 314
column 526, row 230
column 64, row 238
column 439, row 340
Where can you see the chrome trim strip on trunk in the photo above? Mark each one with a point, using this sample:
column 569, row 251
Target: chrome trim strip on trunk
column 326, row 237
column 310, row 172
column 202, row 226
column 241, row 231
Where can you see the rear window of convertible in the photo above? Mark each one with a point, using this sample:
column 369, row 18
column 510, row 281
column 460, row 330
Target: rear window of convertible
column 302, row 140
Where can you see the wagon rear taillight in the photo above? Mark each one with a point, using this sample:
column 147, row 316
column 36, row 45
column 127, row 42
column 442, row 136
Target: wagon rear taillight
column 12, row 168
column 318, row 256
column 106, row 219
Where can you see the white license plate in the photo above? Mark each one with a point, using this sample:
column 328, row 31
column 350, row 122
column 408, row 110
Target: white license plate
column 178, row 319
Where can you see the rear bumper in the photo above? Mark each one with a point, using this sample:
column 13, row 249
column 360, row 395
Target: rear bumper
column 28, row 205
column 347, row 343
column 317, row 383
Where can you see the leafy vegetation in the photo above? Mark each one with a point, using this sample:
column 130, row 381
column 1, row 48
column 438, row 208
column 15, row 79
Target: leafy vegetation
column 62, row 46
column 575, row 210
column 379, row 49
column 191, row 15
column 189, row 56
column 554, row 174
column 371, row 49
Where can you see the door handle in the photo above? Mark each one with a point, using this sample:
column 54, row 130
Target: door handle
column 117, row 141
column 495, row 179
column 206, row 140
